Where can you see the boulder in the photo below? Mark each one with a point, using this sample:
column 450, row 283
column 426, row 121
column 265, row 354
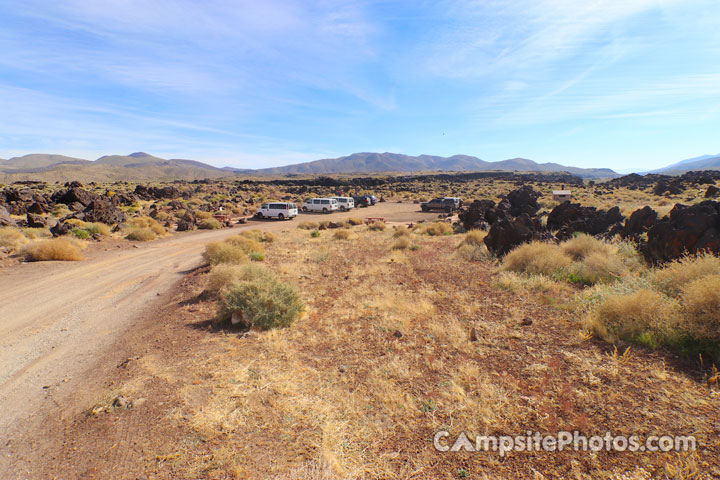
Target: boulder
column 639, row 222
column 61, row 228
column 523, row 200
column 505, row 234
column 569, row 218
column 5, row 219
column 103, row 212
column 75, row 195
column 187, row 222
column 712, row 191
column 686, row 230
column 36, row 221
column 473, row 216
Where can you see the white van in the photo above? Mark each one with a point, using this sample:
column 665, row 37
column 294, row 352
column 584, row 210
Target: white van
column 324, row 205
column 345, row 203
column 279, row 210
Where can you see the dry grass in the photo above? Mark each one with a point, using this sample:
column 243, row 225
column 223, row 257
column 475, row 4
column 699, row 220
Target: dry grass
column 354, row 221
column 437, row 229
column 401, row 243
column 149, row 223
column 676, row 275
column 644, row 316
column 217, row 253
column 537, row 258
column 12, row 238
column 582, row 245
column 209, row 224
column 141, row 235
column 222, row 276
column 308, row 225
column 377, row 227
column 247, row 243
column 343, row 234
column 56, row 249
column 701, row 308
column 38, row 233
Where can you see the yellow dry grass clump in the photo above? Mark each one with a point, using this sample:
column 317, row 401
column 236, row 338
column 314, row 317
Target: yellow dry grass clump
column 537, row 258
column 676, row 275
column 342, row 234
column 437, row 228
column 12, row 238
column 141, row 235
column 701, row 307
column 55, row 249
column 147, row 222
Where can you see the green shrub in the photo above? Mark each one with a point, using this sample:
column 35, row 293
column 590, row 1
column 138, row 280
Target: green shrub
column 256, row 256
column 80, row 233
column 315, row 233
column 141, row 234
column 263, row 303
column 209, row 224
column 222, row 276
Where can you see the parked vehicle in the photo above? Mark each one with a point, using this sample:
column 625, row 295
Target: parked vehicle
column 345, row 203
column 279, row 210
column 324, row 205
column 373, row 199
column 446, row 204
column 362, row 200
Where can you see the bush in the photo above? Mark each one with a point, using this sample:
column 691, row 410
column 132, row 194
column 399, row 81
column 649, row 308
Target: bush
column 438, row 228
column 354, row 221
column 224, row 252
column 141, row 235
column 644, row 316
column 55, row 249
column 701, row 307
column 475, row 238
column 597, row 267
column 537, row 258
column 401, row 232
column 268, row 237
column 342, row 234
column 11, row 238
column 98, row 229
column 247, row 245
column 80, row 233
column 401, row 243
column 308, row 225
column 149, row 223
column 36, row 233
column 680, row 273
column 377, row 227
column 473, row 253
column 203, row 215
column 256, row 256
column 582, row 245
column 315, row 233
column 209, row 224
column 222, row 276
column 263, row 303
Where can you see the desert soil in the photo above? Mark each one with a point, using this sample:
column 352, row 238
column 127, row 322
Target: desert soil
column 65, row 326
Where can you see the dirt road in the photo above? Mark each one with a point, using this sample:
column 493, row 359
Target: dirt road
column 58, row 318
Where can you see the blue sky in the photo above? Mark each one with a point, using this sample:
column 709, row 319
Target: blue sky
column 621, row 84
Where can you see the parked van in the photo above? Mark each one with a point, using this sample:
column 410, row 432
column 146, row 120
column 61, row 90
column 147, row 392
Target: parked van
column 279, row 210
column 324, row 205
column 345, row 203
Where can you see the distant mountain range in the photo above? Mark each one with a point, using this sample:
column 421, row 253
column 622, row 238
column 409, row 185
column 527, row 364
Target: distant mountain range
column 703, row 162
column 141, row 167
column 397, row 162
